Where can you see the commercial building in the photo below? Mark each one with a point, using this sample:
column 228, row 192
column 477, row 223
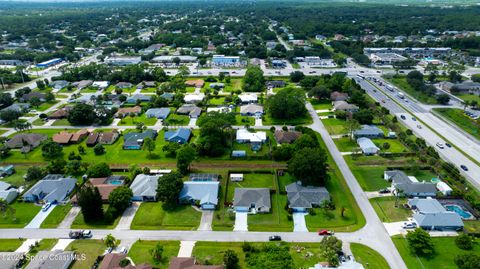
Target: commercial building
column 123, row 60
column 49, row 63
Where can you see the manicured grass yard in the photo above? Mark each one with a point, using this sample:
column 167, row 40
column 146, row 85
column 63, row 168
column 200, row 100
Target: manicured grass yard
column 244, row 120
column 79, row 223
column 56, row 216
column 248, row 149
column 140, row 252
column 267, row 120
column 129, row 121
column 456, row 116
column 17, row 178
column 386, row 210
column 177, row 120
column 445, row 252
column 152, row 216
column 321, row 104
column 46, row 105
column 44, row 244
column 334, row 126
column 10, row 245
column 91, row 250
column 368, row 257
column 370, row 178
column 252, row 180
column 217, row 101
column 24, row 213
column 61, row 122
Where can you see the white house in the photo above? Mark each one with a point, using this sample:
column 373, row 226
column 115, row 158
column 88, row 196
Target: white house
column 248, row 98
column 244, row 136
column 444, row 188
column 194, row 98
column 236, row 177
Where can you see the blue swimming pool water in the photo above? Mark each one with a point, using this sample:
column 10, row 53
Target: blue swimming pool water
column 115, row 182
column 459, row 211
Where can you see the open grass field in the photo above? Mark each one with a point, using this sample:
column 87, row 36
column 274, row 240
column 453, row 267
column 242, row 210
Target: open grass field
column 10, row 245
column 90, row 248
column 369, row 258
column 140, row 252
column 334, row 126
column 386, row 210
column 321, row 104
column 153, row 216
column 24, row 213
column 44, row 244
column 370, row 178
column 469, row 97
column 253, row 180
column 456, row 116
column 401, row 82
column 176, row 120
column 79, row 223
column 445, row 253
column 129, row 121
column 17, row 178
column 56, row 216
column 46, row 105
column 267, row 120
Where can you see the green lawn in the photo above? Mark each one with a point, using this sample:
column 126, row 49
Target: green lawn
column 177, row 120
column 469, row 97
column 61, row 122
column 368, row 257
column 46, row 105
column 17, row 178
column 129, row 121
column 79, row 223
column 90, row 248
column 445, row 253
column 386, row 210
column 456, row 116
column 38, row 122
column 370, row 178
column 216, row 101
column 44, row 244
column 244, row 120
column 267, row 120
column 401, row 82
column 334, row 126
column 140, row 252
column 152, row 216
column 321, row 104
column 10, row 245
column 252, row 180
column 472, row 226
column 264, row 151
column 56, row 216
column 24, row 213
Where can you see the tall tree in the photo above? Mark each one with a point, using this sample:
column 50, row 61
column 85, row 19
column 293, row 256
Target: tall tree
column 149, row 145
column 309, row 165
column 185, row 156
column 90, row 202
column 169, row 187
column 420, row 242
column 253, row 81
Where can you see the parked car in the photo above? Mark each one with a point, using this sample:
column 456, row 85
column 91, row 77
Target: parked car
column 46, row 206
column 80, row 234
column 464, row 167
column 275, row 238
column 325, row 232
column 384, row 191
column 123, row 250
column 409, row 225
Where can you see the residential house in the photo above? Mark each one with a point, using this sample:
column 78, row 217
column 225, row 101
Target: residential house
column 8, row 193
column 203, row 193
column 197, row 83
column 126, row 111
column 369, row 131
column 18, row 107
column 151, row 49
column 286, row 137
column 275, row 84
column 252, row 200
column 59, row 84
column 146, row 84
column 159, row 113
column 57, row 259
column 26, row 142
column 144, row 188
column 92, row 139
column 251, row 110
column 190, row 263
column 348, row 264
column 89, row 98
column 123, row 85
column 248, row 98
column 344, row 106
column 82, row 84
column 7, row 170
column 31, row 95
column 61, row 113
column 112, row 261
column 52, row 188
column 191, row 110
column 203, row 177
column 236, row 177
column 180, row 136
column 431, row 215
column 168, row 96
column 139, row 98
column 367, row 146
column 301, row 198
column 108, row 138
column 78, row 136
column 256, row 139
column 100, row 84
column 106, row 185
column 134, row 140
column 409, row 185
column 62, row 137
column 11, row 260
column 193, row 98
column 338, row 96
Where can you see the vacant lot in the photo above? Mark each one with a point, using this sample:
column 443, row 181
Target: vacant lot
column 153, row 216
column 457, row 117
column 133, row 121
column 368, row 257
column 79, row 223
column 388, row 212
column 140, row 252
column 10, row 245
column 90, row 248
column 22, row 214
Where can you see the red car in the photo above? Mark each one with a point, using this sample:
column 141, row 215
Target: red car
column 325, row 232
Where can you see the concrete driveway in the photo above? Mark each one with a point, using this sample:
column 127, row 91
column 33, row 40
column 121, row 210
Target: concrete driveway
column 62, row 244
column 25, row 247
column 206, row 221
column 186, row 248
column 127, row 217
column 241, row 222
column 68, row 220
column 40, row 217
column 299, row 224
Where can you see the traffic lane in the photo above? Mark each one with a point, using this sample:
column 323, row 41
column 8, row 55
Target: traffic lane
column 449, row 154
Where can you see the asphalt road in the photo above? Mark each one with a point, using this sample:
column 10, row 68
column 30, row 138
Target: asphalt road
column 411, row 109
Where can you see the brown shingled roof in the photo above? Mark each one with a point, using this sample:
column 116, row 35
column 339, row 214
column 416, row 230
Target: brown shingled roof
column 62, row 138
column 79, row 135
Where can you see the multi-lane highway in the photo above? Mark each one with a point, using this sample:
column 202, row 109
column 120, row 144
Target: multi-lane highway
column 428, row 127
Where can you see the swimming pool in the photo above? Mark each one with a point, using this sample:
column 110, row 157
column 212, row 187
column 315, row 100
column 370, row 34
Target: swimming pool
column 115, row 182
column 457, row 209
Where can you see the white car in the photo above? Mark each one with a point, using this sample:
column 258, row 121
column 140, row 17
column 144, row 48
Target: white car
column 440, row 145
column 46, row 206
column 409, row 225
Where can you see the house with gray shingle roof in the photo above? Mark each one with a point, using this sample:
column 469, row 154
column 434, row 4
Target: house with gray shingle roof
column 431, row 215
column 11, row 260
column 159, row 113
column 57, row 259
column 7, row 192
column 180, row 136
column 367, row 146
column 253, row 200
column 301, row 198
column 409, row 186
column 52, row 188
column 26, row 142
column 369, row 131
column 134, row 140
column 144, row 188
column 203, row 192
